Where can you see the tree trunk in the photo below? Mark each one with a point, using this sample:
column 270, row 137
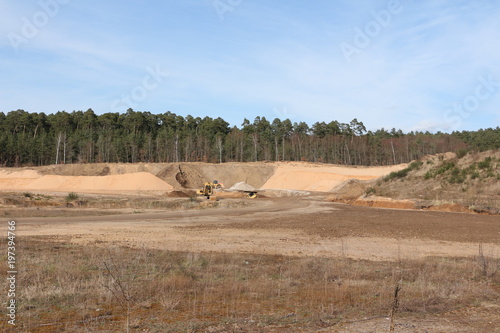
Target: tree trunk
column 57, row 147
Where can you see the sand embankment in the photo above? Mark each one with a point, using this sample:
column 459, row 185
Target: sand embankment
column 313, row 177
column 151, row 177
column 29, row 180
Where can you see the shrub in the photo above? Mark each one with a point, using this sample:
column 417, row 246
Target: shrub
column 442, row 169
column 445, row 167
column 403, row 173
column 461, row 153
column 72, row 196
column 370, row 190
column 457, row 176
column 474, row 175
column 429, row 174
column 485, row 164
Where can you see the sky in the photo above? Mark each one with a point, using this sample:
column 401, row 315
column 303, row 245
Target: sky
column 427, row 65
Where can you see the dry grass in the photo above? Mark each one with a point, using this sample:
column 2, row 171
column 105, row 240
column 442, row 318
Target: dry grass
column 40, row 205
column 66, row 287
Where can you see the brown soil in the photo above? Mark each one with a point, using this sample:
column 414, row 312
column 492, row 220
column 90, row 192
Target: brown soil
column 305, row 227
column 376, row 234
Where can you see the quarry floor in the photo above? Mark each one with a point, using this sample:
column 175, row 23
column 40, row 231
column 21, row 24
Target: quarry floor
column 297, row 226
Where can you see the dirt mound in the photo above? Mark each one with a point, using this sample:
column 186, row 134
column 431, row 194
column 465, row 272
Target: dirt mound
column 350, row 189
column 242, row 186
column 383, row 203
column 180, row 194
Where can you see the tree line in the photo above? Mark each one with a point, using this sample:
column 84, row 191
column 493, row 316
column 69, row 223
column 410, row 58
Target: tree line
column 30, row 139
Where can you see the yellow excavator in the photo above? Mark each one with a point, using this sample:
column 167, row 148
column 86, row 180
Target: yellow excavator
column 208, row 188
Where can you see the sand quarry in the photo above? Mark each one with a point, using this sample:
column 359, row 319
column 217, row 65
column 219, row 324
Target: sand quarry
column 292, row 217
column 155, row 178
column 288, row 192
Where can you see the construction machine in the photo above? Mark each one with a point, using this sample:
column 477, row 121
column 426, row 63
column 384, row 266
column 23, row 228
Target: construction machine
column 251, row 194
column 207, row 189
column 218, row 185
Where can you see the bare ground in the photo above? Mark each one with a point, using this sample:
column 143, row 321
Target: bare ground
column 299, row 227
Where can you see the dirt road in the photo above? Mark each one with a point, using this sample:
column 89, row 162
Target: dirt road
column 298, row 226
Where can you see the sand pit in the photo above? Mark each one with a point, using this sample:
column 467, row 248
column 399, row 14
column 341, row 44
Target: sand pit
column 310, row 177
column 121, row 178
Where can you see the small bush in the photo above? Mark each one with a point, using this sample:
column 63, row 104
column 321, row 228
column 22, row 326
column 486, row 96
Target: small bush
column 445, row 167
column 474, row 175
column 429, row 174
column 72, row 197
column 415, row 165
column 461, row 153
column 442, row 169
column 403, row 173
column 370, row 190
column 28, row 194
column 485, row 164
column 457, row 176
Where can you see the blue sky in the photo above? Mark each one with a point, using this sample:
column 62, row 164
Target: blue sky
column 415, row 65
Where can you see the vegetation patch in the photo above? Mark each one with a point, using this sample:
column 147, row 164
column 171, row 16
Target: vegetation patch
column 403, row 173
column 90, row 288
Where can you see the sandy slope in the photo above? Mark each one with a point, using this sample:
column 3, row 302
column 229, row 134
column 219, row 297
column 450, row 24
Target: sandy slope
column 130, row 182
column 129, row 178
column 311, row 177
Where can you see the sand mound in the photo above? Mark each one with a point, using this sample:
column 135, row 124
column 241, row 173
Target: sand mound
column 242, row 186
column 350, row 189
column 131, row 182
column 181, row 194
column 100, row 169
column 18, row 173
column 322, row 178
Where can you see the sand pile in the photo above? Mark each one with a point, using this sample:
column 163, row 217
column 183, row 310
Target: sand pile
column 131, row 182
column 11, row 179
column 100, row 169
column 242, row 186
column 18, row 173
column 322, row 178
